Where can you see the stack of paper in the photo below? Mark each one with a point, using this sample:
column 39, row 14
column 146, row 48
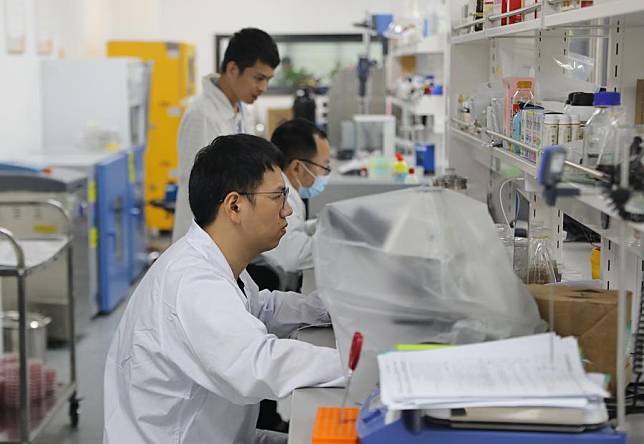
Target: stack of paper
column 541, row 370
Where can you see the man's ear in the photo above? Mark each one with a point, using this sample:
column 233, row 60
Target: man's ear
column 232, row 69
column 294, row 166
column 231, row 206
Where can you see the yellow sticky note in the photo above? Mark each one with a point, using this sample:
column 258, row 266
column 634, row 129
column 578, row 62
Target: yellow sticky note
column 93, row 238
column 45, row 228
column 91, row 192
column 419, row 347
column 131, row 169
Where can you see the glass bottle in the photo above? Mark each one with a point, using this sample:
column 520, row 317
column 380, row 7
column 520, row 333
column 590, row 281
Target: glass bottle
column 601, row 130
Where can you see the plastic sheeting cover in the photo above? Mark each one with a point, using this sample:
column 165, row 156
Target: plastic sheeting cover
column 417, row 265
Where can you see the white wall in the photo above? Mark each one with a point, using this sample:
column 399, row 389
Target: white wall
column 18, row 75
column 135, row 20
column 79, row 28
column 197, row 21
column 82, row 27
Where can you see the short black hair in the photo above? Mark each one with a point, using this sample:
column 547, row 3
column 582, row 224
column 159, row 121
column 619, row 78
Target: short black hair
column 229, row 163
column 295, row 140
column 248, row 46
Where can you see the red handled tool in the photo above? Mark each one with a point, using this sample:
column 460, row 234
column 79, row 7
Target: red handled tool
column 354, row 357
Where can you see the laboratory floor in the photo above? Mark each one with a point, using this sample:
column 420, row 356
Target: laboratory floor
column 91, row 351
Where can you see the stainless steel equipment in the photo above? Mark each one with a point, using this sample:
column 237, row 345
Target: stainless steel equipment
column 451, row 181
column 48, row 289
column 36, row 333
column 21, row 257
column 343, row 104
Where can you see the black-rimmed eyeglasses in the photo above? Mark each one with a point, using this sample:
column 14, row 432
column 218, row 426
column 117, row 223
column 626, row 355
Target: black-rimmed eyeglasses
column 327, row 170
column 283, row 192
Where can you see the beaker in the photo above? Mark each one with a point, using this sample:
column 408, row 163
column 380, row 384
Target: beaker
column 505, row 234
column 542, row 268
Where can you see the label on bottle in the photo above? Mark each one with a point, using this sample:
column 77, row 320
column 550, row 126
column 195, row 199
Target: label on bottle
column 550, row 134
column 565, row 132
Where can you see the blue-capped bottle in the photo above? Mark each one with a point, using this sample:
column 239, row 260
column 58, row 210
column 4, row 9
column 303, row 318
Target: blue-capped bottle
column 600, row 134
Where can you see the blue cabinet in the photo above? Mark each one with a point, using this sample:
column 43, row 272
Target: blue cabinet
column 112, row 219
column 116, row 225
column 137, row 252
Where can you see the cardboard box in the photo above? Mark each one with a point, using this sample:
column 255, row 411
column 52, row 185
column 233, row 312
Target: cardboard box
column 639, row 103
column 591, row 316
column 277, row 116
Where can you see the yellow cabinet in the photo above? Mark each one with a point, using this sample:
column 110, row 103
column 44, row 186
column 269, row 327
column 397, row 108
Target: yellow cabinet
column 172, row 83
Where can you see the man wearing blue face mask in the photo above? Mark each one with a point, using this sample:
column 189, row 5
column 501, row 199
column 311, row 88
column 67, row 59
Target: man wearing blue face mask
column 306, row 152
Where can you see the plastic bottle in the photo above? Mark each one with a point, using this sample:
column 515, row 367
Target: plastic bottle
column 516, row 129
column 600, row 134
column 411, row 178
column 488, row 8
column 575, row 127
column 565, row 129
column 580, row 103
column 478, row 15
column 522, row 96
column 550, row 129
column 400, row 168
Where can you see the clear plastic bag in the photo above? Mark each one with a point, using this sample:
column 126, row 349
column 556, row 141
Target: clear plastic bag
column 417, row 265
column 577, row 66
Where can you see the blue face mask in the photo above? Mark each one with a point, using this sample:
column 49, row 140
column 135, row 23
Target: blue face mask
column 319, row 184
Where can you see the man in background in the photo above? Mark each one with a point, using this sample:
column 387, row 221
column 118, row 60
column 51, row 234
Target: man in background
column 248, row 65
column 306, row 167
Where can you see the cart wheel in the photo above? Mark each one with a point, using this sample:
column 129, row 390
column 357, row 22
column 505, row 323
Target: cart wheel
column 74, row 410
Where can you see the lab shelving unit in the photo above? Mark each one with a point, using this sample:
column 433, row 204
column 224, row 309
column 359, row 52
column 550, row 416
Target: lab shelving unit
column 613, row 30
column 475, row 58
column 19, row 258
column 434, row 44
column 429, row 56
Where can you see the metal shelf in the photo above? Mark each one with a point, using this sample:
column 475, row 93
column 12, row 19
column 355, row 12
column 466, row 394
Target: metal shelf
column 590, row 208
column 609, row 8
column 514, row 28
column 503, row 155
column 37, row 253
column 426, row 106
column 20, row 257
column 41, row 413
column 586, row 208
column 429, row 45
column 468, row 38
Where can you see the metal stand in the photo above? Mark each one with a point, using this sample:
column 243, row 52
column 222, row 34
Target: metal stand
column 23, row 267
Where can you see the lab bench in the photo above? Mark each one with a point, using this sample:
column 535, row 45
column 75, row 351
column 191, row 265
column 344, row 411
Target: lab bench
column 306, row 401
column 304, row 405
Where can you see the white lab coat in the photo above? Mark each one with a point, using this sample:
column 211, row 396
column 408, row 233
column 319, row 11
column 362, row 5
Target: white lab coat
column 209, row 115
column 295, row 250
column 193, row 355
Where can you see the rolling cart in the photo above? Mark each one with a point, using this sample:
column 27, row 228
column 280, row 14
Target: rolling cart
column 19, row 257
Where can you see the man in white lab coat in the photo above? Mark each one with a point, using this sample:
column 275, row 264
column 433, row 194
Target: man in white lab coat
column 306, row 166
column 198, row 346
column 248, row 65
